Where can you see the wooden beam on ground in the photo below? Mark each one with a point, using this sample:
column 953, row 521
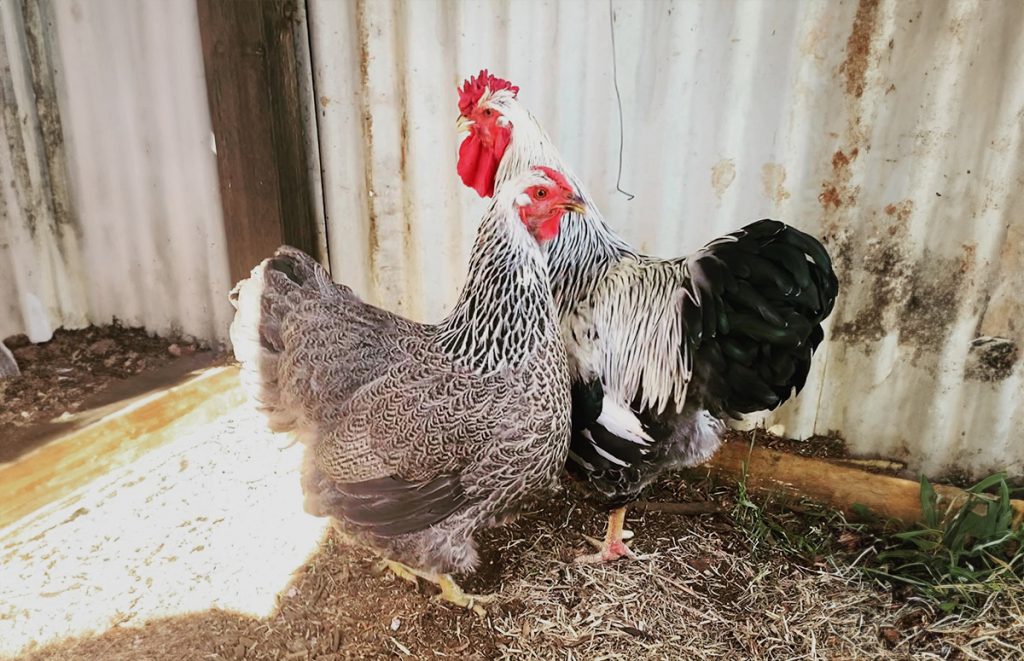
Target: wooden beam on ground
column 830, row 483
column 252, row 82
column 56, row 469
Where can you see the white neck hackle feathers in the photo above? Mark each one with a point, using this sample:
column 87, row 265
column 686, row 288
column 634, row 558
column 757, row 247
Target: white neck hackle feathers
column 593, row 278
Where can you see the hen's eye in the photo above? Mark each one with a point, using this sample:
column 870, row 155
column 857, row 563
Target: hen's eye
column 542, row 193
column 488, row 112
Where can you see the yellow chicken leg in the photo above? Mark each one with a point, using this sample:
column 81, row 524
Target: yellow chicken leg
column 402, row 571
column 450, row 590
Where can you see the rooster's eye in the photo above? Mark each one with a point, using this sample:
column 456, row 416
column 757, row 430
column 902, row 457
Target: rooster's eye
column 488, row 112
column 542, row 193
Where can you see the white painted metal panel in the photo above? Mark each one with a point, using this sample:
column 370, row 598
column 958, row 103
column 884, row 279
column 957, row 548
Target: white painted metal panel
column 38, row 244
column 144, row 175
column 893, row 130
column 143, row 240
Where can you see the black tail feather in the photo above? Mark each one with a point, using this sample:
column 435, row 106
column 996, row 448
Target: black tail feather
column 763, row 293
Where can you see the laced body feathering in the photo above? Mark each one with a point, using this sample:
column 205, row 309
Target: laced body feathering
column 417, row 435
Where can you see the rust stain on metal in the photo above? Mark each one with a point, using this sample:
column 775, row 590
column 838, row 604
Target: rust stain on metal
column 837, row 192
column 968, row 260
column 815, row 44
column 367, row 117
column 723, row 173
column 901, row 212
column 773, row 181
column 829, row 196
column 858, row 47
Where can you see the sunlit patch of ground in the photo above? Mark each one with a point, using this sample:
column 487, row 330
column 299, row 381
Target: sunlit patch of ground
column 201, row 550
column 211, row 520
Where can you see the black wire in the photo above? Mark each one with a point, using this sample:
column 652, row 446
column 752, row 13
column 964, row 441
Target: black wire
column 618, row 99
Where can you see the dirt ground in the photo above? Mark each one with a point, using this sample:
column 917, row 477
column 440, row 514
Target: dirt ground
column 74, row 371
column 59, row 375
column 201, row 550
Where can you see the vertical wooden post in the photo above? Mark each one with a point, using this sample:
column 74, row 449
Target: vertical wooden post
column 253, row 91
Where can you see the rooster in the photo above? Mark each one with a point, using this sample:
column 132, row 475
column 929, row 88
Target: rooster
column 661, row 351
column 417, row 436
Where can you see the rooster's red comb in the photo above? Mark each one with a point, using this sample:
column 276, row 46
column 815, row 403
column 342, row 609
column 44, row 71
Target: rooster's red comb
column 475, row 87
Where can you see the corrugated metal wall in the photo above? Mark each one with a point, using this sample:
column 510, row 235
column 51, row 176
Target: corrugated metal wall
column 891, row 129
column 110, row 97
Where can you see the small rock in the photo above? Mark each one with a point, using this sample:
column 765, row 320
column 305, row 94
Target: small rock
column 102, row 347
column 8, row 365
column 28, row 353
column 395, row 623
column 16, row 342
column 179, row 350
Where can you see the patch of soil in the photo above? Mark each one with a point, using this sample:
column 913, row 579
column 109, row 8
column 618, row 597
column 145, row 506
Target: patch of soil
column 63, row 375
column 818, row 447
column 193, row 526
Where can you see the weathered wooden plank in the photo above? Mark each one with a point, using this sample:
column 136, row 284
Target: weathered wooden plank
column 58, row 468
column 252, row 87
column 834, row 484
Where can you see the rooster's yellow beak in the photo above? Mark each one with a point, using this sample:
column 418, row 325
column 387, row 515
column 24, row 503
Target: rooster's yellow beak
column 575, row 204
column 463, row 123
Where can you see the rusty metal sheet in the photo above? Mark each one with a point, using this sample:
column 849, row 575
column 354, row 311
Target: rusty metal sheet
column 893, row 130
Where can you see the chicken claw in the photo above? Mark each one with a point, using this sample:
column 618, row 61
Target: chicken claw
column 613, row 547
column 450, row 590
column 606, row 553
column 403, row 572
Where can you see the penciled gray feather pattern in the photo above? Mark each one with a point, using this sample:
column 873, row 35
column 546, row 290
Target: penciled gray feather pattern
column 417, row 435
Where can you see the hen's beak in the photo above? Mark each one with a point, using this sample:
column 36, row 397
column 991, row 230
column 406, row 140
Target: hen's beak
column 575, row 204
column 463, row 123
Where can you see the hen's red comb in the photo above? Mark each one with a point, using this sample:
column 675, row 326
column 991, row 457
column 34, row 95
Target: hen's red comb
column 475, row 87
column 555, row 176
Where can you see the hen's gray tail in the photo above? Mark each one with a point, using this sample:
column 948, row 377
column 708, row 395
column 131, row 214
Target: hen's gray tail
column 276, row 288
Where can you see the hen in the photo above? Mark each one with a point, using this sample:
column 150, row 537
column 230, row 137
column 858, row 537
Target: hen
column 660, row 350
column 417, row 436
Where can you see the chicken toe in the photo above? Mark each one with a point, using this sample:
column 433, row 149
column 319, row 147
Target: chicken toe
column 404, row 572
column 451, row 592
column 613, row 547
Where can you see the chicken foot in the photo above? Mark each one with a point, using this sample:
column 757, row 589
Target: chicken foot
column 614, row 546
column 450, row 590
